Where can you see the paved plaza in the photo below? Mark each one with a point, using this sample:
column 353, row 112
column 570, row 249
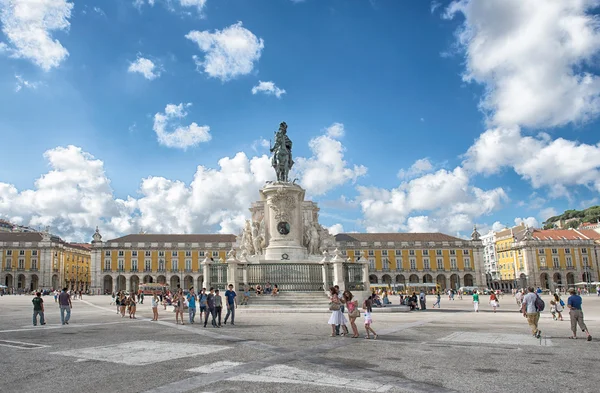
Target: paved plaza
column 450, row 349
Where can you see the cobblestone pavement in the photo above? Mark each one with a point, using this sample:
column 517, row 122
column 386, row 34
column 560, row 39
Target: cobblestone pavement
column 441, row 350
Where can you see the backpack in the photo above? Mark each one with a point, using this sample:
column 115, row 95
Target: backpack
column 539, row 303
column 562, row 304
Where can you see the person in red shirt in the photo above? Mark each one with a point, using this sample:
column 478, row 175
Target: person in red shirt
column 494, row 301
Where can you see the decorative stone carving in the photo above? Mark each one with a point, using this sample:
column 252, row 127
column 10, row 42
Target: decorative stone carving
column 313, row 239
column 282, row 205
column 97, row 237
column 475, row 235
column 257, row 238
column 247, row 238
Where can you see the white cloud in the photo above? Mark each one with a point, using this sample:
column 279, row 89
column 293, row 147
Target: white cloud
column 172, row 135
column 434, row 6
column 451, row 202
column 336, row 130
column 532, row 56
column 146, row 67
column 269, row 88
column 28, row 25
column 229, row 53
column 419, row 167
column 22, row 83
column 547, row 213
column 529, row 221
column 260, row 144
column 327, row 168
column 99, row 11
column 498, row 226
column 199, row 4
column 542, row 161
column 335, row 229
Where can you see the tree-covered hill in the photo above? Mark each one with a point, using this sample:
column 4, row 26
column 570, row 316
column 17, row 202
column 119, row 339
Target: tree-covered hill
column 591, row 214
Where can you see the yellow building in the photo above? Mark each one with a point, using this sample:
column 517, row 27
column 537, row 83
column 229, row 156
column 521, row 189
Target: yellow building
column 402, row 258
column 38, row 260
column 550, row 259
column 125, row 262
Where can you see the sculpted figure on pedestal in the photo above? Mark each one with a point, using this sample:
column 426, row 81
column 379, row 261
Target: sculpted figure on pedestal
column 257, row 238
column 282, row 160
column 247, row 238
column 313, row 242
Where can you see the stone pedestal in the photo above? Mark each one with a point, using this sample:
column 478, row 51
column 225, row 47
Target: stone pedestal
column 205, row 272
column 283, row 221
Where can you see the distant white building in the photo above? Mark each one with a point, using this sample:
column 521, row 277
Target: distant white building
column 490, row 262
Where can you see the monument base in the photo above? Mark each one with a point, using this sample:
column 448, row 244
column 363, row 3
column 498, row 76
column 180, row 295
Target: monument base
column 285, row 253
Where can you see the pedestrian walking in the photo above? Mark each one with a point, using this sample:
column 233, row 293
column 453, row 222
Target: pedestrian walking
column 353, row 312
column 576, row 315
column 342, row 309
column 231, row 300
column 531, row 310
column 423, row 300
column 367, row 309
column 476, row 301
column 191, row 299
column 154, row 303
column 494, row 301
column 438, row 299
column 203, row 307
column 178, row 301
column 64, row 302
column 132, row 306
column 210, row 304
column 38, row 309
column 559, row 306
column 335, row 306
column 218, row 307
column 55, row 296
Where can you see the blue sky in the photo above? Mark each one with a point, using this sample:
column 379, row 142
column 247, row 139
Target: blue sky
column 371, row 88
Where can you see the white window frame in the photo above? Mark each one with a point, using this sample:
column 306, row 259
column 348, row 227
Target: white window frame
column 107, row 264
column 174, row 264
column 134, row 253
column 21, row 253
column 8, row 253
column 34, row 253
column 161, row 264
column 440, row 263
column 148, row 265
column 425, row 252
column 371, row 253
column 413, row 263
column 384, row 253
column 215, row 254
column 584, row 250
column 121, row 253
column 411, row 253
column 569, row 261
column 121, row 264
column 543, row 262
column 34, row 263
column 148, row 253
column 134, row 264
column 8, row 263
column 467, row 262
column 554, row 251
column 173, row 253
column 466, row 252
column 161, row 254
column 453, row 264
column 21, row 263
column 188, row 264
column 452, row 252
column 426, row 264
column 398, row 253
column 201, row 254
column 107, row 253
column 188, row 254
column 585, row 261
column 567, row 250
column 385, row 263
column 555, row 263
column 438, row 253
column 371, row 264
column 541, row 251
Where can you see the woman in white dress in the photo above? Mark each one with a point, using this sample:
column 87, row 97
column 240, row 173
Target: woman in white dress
column 336, row 318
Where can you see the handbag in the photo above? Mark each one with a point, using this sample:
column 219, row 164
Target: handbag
column 354, row 314
column 334, row 306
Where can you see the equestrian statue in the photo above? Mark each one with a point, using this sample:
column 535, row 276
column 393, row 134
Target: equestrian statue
column 282, row 154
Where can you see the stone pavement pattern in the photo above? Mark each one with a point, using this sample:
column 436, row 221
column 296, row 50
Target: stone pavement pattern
column 452, row 349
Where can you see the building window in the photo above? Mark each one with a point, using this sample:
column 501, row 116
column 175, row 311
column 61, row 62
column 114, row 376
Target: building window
column 567, row 250
column 440, row 264
column 384, row 253
column 21, row 253
column 34, row 253
column 173, row 253
column 569, row 261
column 585, row 261
column 134, row 266
column 555, row 262
column 413, row 263
column 215, row 254
column 161, row 253
column 411, row 253
column 371, row 264
column 542, row 261
column 134, row 253
column 426, row 264
column 584, row 250
column 541, row 251
column 201, row 253
column 8, row 263
column 554, row 251
column 188, row 254
column 148, row 253
column 438, row 252
column 371, row 253
column 453, row 263
column 8, row 252
column 467, row 263
column 21, row 263
column 452, row 252
column 121, row 253
column 34, row 264
column 357, row 253
column 174, row 264
column 107, row 264
column 465, row 252
column 344, row 252
column 425, row 252
column 161, row 264
column 386, row 264
column 398, row 263
column 106, row 253
column 147, row 265
column 398, row 253
column 121, row 264
column 188, row 264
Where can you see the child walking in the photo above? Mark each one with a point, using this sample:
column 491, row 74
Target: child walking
column 367, row 309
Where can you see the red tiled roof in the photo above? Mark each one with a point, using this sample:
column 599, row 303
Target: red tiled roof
column 178, row 238
column 395, row 237
column 590, row 233
column 557, row 234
